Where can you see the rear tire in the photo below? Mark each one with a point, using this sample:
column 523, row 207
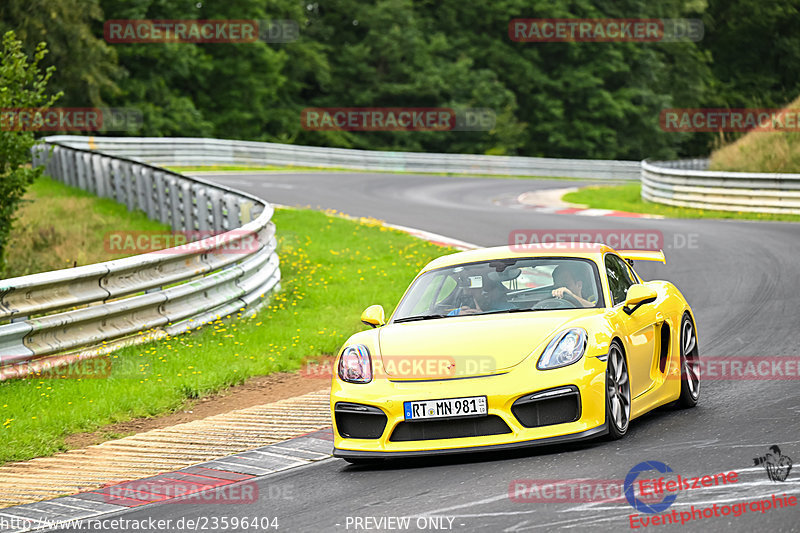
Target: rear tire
column 690, row 365
column 618, row 393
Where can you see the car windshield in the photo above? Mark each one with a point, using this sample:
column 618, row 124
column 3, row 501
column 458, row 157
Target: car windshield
column 502, row 285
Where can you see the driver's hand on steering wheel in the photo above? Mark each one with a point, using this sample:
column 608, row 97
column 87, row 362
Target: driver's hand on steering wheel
column 561, row 292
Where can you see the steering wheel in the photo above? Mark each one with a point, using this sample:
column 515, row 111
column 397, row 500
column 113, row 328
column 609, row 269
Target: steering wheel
column 555, row 303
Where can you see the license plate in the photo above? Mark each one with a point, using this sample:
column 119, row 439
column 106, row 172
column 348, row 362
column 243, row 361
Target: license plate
column 447, row 408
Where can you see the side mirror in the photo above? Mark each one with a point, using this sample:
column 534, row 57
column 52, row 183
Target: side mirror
column 638, row 295
column 373, row 316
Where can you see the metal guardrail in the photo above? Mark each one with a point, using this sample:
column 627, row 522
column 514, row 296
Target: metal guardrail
column 181, row 151
column 688, row 183
column 173, row 290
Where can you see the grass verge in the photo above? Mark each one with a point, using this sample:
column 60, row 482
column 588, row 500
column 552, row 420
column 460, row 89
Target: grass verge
column 629, row 198
column 59, row 226
column 762, row 151
column 332, row 269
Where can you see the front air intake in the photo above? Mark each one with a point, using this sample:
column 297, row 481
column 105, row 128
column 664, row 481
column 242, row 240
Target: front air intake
column 449, row 429
column 357, row 421
column 548, row 407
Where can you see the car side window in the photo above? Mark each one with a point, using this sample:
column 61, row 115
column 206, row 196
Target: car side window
column 619, row 278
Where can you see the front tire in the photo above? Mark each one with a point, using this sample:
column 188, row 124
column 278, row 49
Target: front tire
column 690, row 365
column 618, row 393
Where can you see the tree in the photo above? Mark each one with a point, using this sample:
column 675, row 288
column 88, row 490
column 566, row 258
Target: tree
column 87, row 66
column 22, row 86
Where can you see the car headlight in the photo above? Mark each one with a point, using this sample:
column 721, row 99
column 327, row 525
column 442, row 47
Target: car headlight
column 355, row 365
column 565, row 348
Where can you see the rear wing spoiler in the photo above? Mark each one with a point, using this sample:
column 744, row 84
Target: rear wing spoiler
column 643, row 255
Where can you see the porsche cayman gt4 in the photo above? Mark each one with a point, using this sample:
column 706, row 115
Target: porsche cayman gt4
column 506, row 347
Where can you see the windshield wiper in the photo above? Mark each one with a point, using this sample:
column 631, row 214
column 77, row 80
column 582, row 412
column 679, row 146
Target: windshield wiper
column 418, row 317
column 514, row 310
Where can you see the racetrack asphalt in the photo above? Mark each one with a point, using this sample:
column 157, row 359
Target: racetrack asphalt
column 740, row 277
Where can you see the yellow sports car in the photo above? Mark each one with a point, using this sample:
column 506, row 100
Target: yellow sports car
column 506, row 347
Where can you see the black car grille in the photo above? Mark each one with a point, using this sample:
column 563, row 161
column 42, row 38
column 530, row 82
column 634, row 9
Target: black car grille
column 548, row 407
column 449, row 429
column 356, row 421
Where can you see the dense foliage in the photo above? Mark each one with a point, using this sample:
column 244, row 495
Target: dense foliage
column 22, row 85
column 592, row 100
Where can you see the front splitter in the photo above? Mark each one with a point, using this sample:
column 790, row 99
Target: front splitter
column 588, row 434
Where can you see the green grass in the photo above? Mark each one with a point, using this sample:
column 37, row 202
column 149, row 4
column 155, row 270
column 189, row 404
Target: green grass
column 629, row 198
column 332, row 269
column 59, row 226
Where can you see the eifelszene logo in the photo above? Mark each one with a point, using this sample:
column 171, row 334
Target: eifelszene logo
column 639, row 504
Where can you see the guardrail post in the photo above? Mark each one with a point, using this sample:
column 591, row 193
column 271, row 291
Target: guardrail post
column 187, row 207
column 233, row 214
column 91, row 176
column 128, row 184
column 140, row 187
column 175, row 204
column 71, row 177
column 146, row 202
column 203, row 210
column 103, row 177
column 161, row 199
column 117, row 188
column 62, row 166
column 215, row 198
column 80, row 162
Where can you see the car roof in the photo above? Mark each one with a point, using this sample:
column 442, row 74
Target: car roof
column 580, row 250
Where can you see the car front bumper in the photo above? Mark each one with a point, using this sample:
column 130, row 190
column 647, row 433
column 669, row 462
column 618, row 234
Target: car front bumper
column 504, row 393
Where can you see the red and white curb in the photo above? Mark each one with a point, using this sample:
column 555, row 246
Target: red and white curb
column 550, row 202
column 586, row 212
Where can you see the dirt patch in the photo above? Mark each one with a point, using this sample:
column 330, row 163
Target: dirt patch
column 255, row 391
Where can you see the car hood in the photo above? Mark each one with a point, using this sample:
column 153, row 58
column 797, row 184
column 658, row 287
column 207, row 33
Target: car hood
column 475, row 345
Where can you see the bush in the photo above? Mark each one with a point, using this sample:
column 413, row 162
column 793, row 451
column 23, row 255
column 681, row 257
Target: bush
column 22, row 86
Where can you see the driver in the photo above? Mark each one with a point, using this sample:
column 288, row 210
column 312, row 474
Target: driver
column 570, row 285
